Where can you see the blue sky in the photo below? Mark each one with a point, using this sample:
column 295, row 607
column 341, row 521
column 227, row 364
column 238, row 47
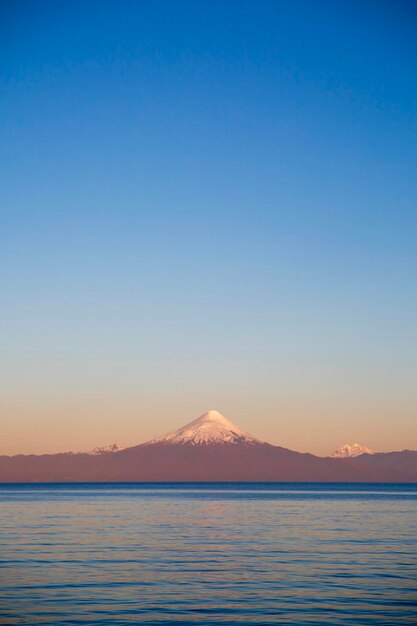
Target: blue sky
column 208, row 205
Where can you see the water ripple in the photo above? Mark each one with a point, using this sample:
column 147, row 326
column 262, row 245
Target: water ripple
column 208, row 554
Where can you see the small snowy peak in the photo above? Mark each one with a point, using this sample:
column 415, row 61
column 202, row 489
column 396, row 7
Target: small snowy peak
column 210, row 428
column 113, row 447
column 350, row 450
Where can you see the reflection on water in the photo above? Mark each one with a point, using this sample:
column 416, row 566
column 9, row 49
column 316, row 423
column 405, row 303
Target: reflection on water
column 208, row 554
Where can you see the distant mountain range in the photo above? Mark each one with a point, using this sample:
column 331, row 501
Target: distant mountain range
column 211, row 448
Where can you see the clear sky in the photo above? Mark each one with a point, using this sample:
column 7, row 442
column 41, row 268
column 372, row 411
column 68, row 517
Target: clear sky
column 208, row 205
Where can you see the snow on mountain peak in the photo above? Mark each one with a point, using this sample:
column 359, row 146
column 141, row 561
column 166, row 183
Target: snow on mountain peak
column 350, row 450
column 210, row 428
column 113, row 447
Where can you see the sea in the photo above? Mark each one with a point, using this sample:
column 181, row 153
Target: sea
column 191, row 553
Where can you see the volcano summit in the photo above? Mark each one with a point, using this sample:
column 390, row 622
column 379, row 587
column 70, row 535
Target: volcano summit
column 208, row 429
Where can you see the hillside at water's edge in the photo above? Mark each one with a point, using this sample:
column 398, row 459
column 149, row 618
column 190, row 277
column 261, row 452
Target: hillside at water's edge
column 210, row 448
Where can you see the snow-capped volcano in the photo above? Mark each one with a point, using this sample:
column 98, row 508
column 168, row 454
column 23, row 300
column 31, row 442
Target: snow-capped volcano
column 350, row 450
column 210, row 428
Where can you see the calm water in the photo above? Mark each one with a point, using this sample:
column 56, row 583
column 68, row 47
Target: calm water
column 208, row 554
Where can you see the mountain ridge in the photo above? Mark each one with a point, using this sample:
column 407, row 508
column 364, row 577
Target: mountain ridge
column 210, row 448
